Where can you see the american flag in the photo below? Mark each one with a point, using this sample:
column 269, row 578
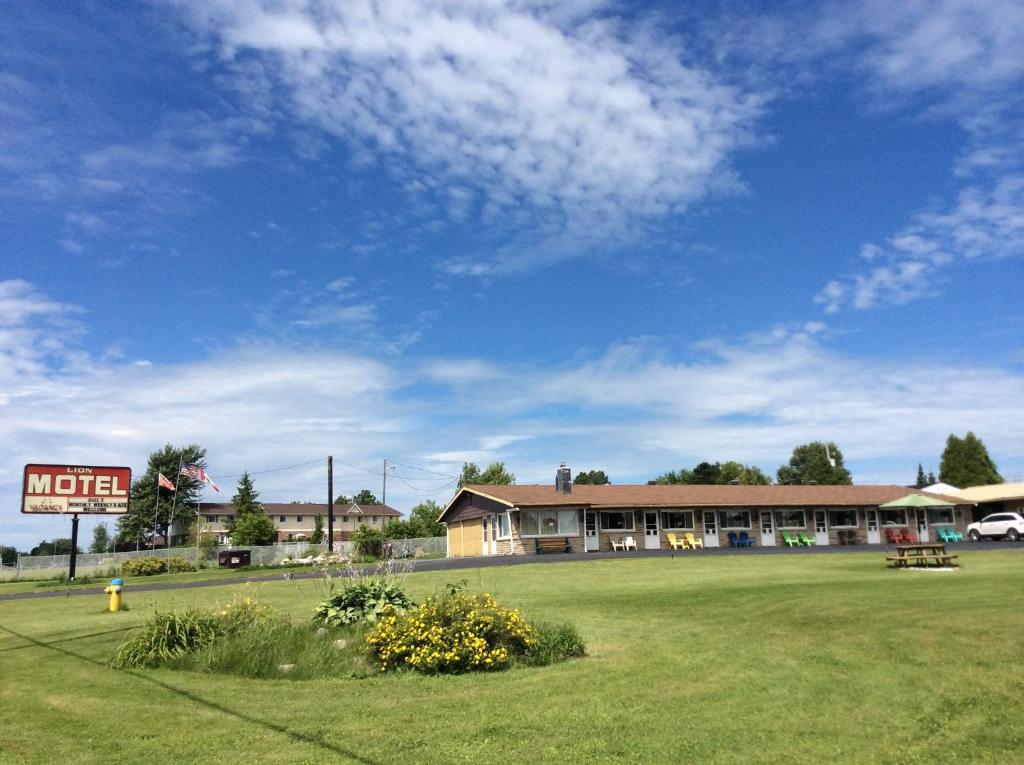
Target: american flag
column 196, row 472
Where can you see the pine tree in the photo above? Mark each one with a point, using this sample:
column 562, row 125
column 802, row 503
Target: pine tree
column 150, row 511
column 965, row 462
column 246, row 499
column 318, row 530
column 922, row 480
column 931, row 479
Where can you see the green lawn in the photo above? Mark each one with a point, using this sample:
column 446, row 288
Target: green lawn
column 789, row 658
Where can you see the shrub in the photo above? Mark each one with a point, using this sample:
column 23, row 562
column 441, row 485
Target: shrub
column 363, row 599
column 177, row 565
column 367, row 541
column 456, row 632
column 144, row 566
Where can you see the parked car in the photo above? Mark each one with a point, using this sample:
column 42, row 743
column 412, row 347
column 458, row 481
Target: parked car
column 1009, row 525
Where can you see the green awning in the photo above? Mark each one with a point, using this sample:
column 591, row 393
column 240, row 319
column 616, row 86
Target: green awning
column 917, row 500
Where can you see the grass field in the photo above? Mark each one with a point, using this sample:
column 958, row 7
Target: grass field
column 797, row 659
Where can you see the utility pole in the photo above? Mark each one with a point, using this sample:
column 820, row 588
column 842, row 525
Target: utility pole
column 384, row 488
column 330, row 503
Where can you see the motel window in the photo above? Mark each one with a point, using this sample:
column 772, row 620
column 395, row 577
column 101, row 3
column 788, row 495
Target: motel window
column 298, row 519
column 677, row 519
column 842, row 519
column 734, row 519
column 211, row 519
column 504, row 532
column 373, row 519
column 548, row 523
column 283, row 517
column 939, row 516
column 893, row 516
column 790, row 519
column 617, row 520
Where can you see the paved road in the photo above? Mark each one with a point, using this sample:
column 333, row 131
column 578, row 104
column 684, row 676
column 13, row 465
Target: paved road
column 454, row 564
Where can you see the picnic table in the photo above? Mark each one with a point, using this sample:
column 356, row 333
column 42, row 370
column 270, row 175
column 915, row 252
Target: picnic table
column 922, row 555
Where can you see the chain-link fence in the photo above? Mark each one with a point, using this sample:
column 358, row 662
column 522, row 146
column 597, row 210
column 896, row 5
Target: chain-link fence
column 41, row 566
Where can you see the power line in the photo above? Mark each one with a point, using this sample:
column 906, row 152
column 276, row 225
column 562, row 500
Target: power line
column 274, row 470
column 424, row 470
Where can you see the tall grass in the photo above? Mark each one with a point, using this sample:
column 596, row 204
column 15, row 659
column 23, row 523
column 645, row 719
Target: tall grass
column 276, row 649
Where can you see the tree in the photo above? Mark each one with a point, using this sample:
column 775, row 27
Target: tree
column 591, row 478
column 251, row 524
column 810, row 464
column 494, row 475
column 246, row 499
column 965, row 462
column 150, row 511
column 922, row 479
column 365, row 497
column 931, row 478
column 253, row 529
column 423, row 520
column 56, row 547
column 748, row 475
column 318, row 530
column 717, row 473
column 396, row 528
column 343, row 499
column 100, row 539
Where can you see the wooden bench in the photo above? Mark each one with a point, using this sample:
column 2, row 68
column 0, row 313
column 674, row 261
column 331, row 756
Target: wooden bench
column 552, row 546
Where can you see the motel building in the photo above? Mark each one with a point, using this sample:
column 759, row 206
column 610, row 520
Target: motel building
column 528, row 519
column 293, row 521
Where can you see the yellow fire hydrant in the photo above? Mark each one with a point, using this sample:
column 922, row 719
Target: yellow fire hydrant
column 114, row 590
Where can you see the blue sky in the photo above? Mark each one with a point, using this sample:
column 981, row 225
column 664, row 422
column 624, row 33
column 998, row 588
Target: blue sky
column 627, row 236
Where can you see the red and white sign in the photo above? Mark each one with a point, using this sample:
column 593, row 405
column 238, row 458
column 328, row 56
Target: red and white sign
column 76, row 489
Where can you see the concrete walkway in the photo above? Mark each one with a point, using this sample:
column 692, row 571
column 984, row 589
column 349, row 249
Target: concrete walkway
column 454, row 564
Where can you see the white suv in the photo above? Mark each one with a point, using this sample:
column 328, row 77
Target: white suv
column 1009, row 525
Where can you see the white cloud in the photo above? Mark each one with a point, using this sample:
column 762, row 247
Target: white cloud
column 984, row 223
column 590, row 123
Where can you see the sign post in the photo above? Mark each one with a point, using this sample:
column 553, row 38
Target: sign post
column 75, row 489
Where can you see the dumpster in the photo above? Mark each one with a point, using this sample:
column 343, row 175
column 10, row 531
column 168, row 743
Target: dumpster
column 234, row 558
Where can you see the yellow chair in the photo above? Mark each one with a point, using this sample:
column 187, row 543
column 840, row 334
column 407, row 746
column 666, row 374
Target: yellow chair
column 676, row 544
column 693, row 542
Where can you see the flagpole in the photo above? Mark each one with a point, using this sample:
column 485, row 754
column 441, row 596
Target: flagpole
column 156, row 510
column 174, row 502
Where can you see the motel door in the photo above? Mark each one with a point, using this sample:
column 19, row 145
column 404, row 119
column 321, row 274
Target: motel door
column 710, row 528
column 652, row 538
column 485, row 527
column 590, row 532
column 922, row 524
column 820, row 527
column 874, row 537
column 767, row 529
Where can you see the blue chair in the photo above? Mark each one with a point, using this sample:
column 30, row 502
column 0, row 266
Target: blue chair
column 746, row 540
column 733, row 539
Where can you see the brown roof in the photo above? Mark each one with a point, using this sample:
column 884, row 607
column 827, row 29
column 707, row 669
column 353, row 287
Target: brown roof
column 303, row 508
column 665, row 495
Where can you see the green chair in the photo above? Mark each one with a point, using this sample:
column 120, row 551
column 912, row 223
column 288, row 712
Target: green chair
column 790, row 541
column 805, row 540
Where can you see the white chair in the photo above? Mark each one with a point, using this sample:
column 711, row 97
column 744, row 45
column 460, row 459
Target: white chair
column 617, row 544
column 630, row 543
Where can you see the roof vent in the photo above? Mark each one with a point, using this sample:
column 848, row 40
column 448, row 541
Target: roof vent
column 563, row 479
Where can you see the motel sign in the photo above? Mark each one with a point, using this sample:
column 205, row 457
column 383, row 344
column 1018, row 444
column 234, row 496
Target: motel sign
column 76, row 489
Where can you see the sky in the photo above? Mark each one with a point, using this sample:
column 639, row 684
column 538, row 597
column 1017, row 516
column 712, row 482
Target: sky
column 630, row 236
